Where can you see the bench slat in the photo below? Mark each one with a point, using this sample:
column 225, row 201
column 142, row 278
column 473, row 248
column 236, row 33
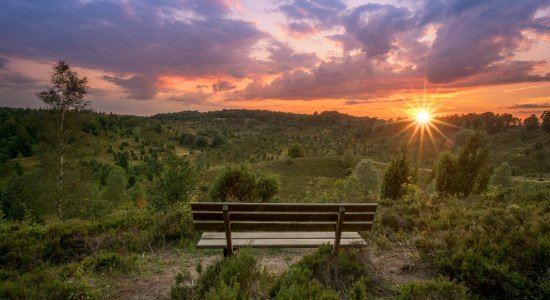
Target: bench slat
column 282, row 216
column 281, row 226
column 276, row 243
column 281, row 235
column 282, row 207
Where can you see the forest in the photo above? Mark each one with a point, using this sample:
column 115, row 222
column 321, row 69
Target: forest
column 89, row 199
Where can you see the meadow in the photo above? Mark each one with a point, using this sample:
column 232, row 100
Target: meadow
column 126, row 216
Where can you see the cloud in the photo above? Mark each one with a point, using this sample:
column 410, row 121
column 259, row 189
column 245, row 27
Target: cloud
column 300, row 29
column 530, row 105
column 144, row 37
column 222, row 85
column 3, row 62
column 283, row 58
column 321, row 14
column 351, row 76
column 191, row 98
column 475, row 34
column 375, row 27
column 137, row 87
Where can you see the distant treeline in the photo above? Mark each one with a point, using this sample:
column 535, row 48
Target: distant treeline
column 20, row 129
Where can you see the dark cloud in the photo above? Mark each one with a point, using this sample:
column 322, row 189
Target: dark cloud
column 375, row 27
column 505, row 73
column 129, row 37
column 530, row 105
column 475, row 34
column 15, row 80
column 222, row 85
column 137, row 87
column 3, row 62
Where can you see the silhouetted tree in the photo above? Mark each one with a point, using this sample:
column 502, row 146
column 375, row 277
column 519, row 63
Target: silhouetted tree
column 545, row 119
column 531, row 123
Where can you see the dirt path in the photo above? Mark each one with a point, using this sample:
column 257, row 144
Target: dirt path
column 160, row 273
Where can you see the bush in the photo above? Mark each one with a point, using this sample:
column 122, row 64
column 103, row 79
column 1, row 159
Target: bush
column 240, row 184
column 237, row 277
column 326, row 274
column 175, row 184
column 296, row 150
column 439, row 288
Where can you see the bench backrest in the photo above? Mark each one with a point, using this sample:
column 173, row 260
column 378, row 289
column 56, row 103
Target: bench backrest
column 346, row 217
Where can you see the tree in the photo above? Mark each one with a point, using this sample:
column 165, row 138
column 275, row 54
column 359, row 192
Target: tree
column 296, row 150
column 115, row 190
column 368, row 177
column 502, row 176
column 531, row 123
column 399, row 172
column 467, row 172
column 240, row 184
column 348, row 159
column 235, row 182
column 545, row 119
column 175, row 184
column 65, row 95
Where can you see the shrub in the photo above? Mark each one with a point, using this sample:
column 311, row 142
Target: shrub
column 399, row 172
column 466, row 173
column 296, row 150
column 175, row 184
column 439, row 288
column 239, row 183
column 237, row 277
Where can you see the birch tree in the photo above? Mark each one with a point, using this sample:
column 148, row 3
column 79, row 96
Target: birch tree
column 66, row 94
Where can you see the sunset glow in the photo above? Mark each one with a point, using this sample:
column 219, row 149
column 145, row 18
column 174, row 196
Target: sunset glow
column 358, row 58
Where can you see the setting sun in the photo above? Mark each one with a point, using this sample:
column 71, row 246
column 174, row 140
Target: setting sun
column 423, row 117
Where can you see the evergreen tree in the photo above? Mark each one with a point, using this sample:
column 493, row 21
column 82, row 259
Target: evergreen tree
column 465, row 173
column 399, row 172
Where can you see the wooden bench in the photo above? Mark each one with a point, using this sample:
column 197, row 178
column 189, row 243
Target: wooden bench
column 280, row 225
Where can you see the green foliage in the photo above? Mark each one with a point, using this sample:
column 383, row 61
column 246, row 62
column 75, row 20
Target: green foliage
column 465, row 173
column 502, row 176
column 531, row 123
column 348, row 159
column 296, row 150
column 238, row 183
column 439, row 288
column 106, row 261
column 368, row 177
column 330, row 275
column 545, row 121
column 175, row 184
column 237, row 277
column 399, row 172
column 115, row 189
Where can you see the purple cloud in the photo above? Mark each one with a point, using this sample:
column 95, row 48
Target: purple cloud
column 137, row 87
column 222, row 85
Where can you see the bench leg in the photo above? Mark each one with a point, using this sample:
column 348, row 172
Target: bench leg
column 225, row 252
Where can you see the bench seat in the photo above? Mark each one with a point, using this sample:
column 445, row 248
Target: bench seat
column 214, row 240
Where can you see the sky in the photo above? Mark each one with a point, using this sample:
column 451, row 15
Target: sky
column 364, row 58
